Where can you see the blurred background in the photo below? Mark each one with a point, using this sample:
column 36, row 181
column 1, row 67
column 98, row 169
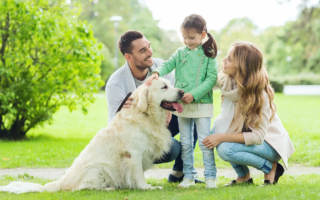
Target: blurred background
column 56, row 53
column 287, row 31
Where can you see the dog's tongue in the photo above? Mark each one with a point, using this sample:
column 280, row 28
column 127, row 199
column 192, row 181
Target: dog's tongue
column 178, row 107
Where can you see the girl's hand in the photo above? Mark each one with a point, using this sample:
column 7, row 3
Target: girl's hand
column 212, row 141
column 187, row 98
column 149, row 80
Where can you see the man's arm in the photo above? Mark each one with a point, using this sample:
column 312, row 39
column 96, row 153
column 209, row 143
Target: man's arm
column 115, row 96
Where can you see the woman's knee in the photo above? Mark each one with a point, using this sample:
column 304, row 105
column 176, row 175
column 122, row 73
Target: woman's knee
column 224, row 150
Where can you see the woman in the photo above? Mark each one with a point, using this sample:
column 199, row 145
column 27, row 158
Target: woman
column 248, row 132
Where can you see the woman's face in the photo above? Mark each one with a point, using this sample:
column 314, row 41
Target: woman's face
column 228, row 64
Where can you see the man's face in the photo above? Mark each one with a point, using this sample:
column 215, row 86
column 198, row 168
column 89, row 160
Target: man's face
column 142, row 53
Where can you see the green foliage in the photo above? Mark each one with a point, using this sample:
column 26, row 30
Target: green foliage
column 294, row 47
column 47, row 59
column 240, row 29
column 277, row 86
column 299, row 79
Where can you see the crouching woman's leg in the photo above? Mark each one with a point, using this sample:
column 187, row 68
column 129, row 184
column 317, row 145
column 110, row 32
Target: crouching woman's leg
column 261, row 157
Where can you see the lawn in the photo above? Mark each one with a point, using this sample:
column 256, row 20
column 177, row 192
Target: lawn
column 58, row 144
column 290, row 187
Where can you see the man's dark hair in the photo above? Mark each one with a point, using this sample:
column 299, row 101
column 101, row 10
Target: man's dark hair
column 126, row 39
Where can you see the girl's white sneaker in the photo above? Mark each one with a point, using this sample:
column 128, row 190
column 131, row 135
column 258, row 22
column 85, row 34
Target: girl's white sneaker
column 186, row 183
column 211, row 183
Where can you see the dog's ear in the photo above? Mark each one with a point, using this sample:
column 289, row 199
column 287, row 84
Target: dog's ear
column 143, row 99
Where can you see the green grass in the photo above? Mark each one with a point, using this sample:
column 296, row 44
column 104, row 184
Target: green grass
column 57, row 145
column 289, row 187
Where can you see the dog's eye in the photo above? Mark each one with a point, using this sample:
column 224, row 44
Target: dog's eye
column 165, row 87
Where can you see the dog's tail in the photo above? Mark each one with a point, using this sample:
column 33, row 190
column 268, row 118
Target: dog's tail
column 22, row 187
column 25, row 187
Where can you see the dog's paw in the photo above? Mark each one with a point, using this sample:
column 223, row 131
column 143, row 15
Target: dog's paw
column 159, row 187
column 110, row 189
column 155, row 187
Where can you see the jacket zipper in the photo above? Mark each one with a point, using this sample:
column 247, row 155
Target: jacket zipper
column 199, row 70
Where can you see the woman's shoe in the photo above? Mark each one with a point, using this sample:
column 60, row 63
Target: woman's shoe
column 234, row 182
column 279, row 172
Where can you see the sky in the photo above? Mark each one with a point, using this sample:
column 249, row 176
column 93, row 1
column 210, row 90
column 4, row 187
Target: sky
column 264, row 13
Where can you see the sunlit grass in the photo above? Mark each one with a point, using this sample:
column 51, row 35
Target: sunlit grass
column 289, row 187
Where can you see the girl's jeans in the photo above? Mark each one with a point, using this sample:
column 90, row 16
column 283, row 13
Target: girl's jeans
column 187, row 152
column 240, row 156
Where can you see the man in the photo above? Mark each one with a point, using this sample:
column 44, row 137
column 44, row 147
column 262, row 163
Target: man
column 138, row 52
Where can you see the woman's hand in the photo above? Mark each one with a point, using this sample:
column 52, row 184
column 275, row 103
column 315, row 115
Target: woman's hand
column 212, row 141
column 187, row 98
column 150, row 79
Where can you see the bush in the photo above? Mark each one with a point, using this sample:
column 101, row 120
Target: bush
column 277, row 86
column 47, row 59
column 302, row 79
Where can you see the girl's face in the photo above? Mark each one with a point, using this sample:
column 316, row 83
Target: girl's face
column 191, row 38
column 228, row 64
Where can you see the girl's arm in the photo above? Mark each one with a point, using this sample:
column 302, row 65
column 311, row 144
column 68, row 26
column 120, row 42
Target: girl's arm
column 209, row 82
column 165, row 68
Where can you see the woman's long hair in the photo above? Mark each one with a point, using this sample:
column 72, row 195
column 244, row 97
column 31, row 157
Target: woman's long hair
column 198, row 23
column 249, row 60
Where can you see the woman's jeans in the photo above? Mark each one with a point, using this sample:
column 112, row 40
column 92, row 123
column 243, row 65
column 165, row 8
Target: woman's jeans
column 187, row 151
column 240, row 156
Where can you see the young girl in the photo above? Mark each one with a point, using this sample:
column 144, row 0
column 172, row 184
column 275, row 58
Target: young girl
column 248, row 132
column 196, row 74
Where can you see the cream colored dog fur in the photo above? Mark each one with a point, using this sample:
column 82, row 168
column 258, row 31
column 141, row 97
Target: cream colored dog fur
column 118, row 155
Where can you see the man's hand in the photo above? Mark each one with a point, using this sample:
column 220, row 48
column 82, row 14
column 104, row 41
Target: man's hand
column 168, row 118
column 149, row 80
column 128, row 103
column 187, row 98
column 212, row 141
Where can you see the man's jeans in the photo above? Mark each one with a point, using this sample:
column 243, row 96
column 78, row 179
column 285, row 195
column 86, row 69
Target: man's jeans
column 175, row 151
column 187, row 151
column 241, row 156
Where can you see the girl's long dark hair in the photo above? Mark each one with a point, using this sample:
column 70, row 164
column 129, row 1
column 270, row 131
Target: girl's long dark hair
column 198, row 23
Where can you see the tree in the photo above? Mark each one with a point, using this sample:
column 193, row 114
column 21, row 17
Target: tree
column 136, row 16
column 239, row 29
column 47, row 59
column 294, row 47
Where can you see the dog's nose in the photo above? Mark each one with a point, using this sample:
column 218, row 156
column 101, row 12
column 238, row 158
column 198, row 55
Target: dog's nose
column 181, row 93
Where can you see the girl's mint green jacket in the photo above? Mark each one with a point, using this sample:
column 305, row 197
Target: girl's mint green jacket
column 195, row 72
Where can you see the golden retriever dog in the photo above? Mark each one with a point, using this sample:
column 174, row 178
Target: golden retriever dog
column 118, row 155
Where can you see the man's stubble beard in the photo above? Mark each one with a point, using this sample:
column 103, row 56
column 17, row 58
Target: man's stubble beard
column 140, row 66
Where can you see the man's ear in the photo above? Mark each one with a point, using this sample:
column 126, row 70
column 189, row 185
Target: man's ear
column 127, row 56
column 143, row 98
